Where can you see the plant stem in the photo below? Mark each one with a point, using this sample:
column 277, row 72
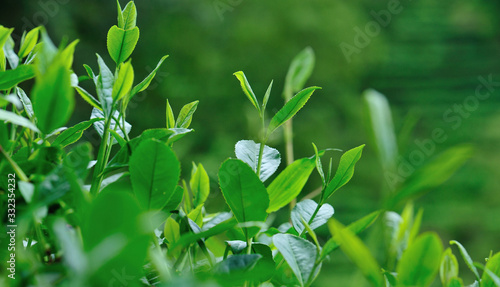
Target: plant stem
column 14, row 165
column 101, row 157
column 262, row 143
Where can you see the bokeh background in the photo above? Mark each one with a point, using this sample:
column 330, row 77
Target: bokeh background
column 426, row 59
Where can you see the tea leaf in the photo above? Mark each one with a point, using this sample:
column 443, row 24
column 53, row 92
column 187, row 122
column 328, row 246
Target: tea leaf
column 247, row 89
column 244, row 193
column 73, row 134
column 28, row 42
column 266, row 96
column 467, row 258
column 299, row 71
column 28, row 106
column 10, row 78
column 121, row 43
column 357, row 251
column 186, row 115
column 200, row 186
column 344, row 172
column 304, row 211
column 355, row 227
column 171, row 231
column 129, row 15
column 147, row 81
column 123, row 82
column 291, row 108
column 104, row 86
column 289, row 183
column 154, row 172
column 115, row 125
column 88, row 98
column 493, row 266
column 177, row 134
column 237, row 246
column 241, row 263
column 17, row 120
column 449, row 267
column 53, row 98
column 420, row 262
column 248, row 151
column 299, row 253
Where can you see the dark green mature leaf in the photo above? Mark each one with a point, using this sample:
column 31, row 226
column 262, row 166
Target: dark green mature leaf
column 449, row 267
column 186, row 115
column 288, row 184
column 247, row 89
column 28, row 42
column 357, row 251
column 304, row 211
column 10, row 78
column 74, row 133
column 154, row 171
column 291, row 108
column 248, row 151
column 17, row 120
column 121, row 43
column 299, row 253
column 345, row 171
column 493, row 265
column 419, row 263
column 299, row 71
column 123, row 82
column 355, row 227
column 53, row 98
column 434, row 173
column 200, row 186
column 244, row 193
column 147, row 81
column 237, row 263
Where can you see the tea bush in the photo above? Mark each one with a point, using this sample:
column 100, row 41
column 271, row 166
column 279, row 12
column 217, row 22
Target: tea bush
column 129, row 218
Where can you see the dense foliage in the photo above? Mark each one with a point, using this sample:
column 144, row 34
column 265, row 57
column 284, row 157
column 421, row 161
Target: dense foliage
column 129, row 217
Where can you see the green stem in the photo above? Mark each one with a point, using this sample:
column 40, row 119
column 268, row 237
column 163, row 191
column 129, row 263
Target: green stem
column 14, row 165
column 101, row 157
column 262, row 144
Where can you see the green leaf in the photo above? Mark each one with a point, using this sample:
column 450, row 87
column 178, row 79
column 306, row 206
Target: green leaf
column 10, row 78
column 244, row 193
column 491, row 275
column 345, row 171
column 88, row 98
column 433, row 174
column 237, row 246
column 115, row 125
column 200, row 186
column 186, row 115
column 121, row 43
column 28, row 106
column 154, row 172
column 467, row 259
column 304, row 211
column 74, row 133
column 17, row 120
column 319, row 166
column 420, row 262
column 449, row 267
column 147, row 81
column 4, row 35
column 28, row 42
column 355, row 227
column 9, row 53
column 104, row 86
column 381, row 127
column 177, row 134
column 357, row 251
column 237, row 263
column 266, row 96
column 299, row 71
column 289, row 183
column 129, row 15
column 170, row 117
column 247, row 89
column 53, row 98
column 248, row 151
column 171, row 231
column 291, row 108
column 123, row 82
column 299, row 253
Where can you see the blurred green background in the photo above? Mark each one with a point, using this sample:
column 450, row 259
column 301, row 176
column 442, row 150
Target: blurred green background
column 427, row 58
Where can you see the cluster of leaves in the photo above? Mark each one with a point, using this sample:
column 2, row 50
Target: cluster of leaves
column 128, row 217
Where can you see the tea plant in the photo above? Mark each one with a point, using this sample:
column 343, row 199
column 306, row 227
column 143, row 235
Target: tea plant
column 128, row 217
